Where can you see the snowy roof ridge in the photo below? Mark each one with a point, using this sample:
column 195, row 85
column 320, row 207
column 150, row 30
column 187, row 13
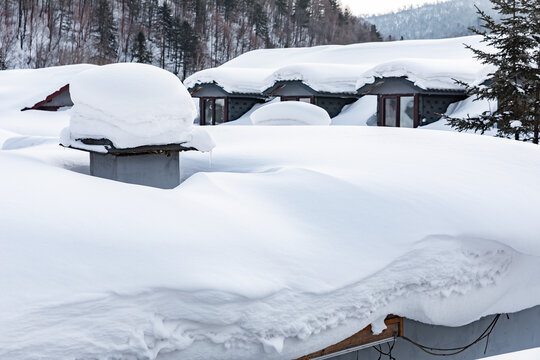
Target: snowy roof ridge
column 429, row 74
column 33, row 85
column 339, row 68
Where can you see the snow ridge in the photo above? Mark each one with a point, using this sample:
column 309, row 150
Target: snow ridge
column 160, row 322
column 293, row 239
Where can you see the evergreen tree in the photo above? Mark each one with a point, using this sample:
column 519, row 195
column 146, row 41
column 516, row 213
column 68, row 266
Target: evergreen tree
column 260, row 21
column 508, row 84
column 374, row 34
column 164, row 31
column 282, row 7
column 532, row 82
column 301, row 17
column 200, row 16
column 139, row 50
column 2, row 61
column 301, row 12
column 229, row 7
column 105, row 33
column 175, row 44
column 188, row 47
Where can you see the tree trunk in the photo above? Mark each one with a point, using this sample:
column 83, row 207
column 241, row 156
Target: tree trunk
column 536, row 129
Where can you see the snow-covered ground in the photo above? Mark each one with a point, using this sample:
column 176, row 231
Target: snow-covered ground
column 290, row 113
column 282, row 241
column 288, row 240
column 362, row 112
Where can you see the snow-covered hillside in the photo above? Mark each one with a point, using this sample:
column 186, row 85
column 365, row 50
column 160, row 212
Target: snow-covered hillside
column 432, row 21
column 180, row 36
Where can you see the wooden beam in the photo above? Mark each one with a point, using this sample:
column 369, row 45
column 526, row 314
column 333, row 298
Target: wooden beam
column 146, row 149
column 394, row 328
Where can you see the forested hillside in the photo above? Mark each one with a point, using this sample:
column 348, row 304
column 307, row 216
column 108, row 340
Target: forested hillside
column 182, row 36
column 432, row 21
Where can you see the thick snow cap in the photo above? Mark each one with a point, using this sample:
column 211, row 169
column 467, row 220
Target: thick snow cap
column 23, row 88
column 290, row 113
column 430, row 73
column 133, row 105
column 337, row 68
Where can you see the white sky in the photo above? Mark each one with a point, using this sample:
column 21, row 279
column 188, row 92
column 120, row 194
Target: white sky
column 371, row 7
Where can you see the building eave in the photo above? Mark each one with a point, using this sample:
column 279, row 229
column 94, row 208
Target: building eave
column 280, row 84
column 48, row 99
column 368, row 89
column 193, row 90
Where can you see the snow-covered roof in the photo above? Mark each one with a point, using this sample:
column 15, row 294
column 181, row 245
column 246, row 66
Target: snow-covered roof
column 284, row 241
column 131, row 105
column 24, row 88
column 429, row 74
column 337, row 68
column 291, row 239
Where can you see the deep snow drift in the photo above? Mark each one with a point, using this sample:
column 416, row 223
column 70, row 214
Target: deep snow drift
column 132, row 105
column 362, row 112
column 24, row 88
column 290, row 113
column 291, row 240
column 470, row 107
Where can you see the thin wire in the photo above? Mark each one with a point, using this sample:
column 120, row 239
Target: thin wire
column 455, row 351
column 381, row 352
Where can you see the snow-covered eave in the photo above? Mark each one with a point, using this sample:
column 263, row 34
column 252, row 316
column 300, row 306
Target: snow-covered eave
column 315, row 90
column 48, row 98
column 233, row 81
column 272, row 86
column 196, row 87
column 427, row 77
column 106, row 146
column 33, row 86
column 368, row 87
column 257, row 82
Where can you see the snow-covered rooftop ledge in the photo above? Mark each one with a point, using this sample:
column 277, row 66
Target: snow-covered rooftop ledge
column 337, row 68
column 134, row 119
column 429, row 74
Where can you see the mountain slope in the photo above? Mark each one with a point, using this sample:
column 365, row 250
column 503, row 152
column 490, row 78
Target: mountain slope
column 182, row 36
column 432, row 21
